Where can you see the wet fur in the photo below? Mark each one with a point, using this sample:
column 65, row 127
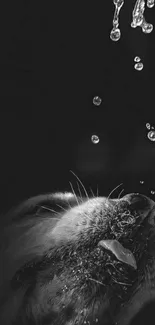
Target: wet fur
column 53, row 272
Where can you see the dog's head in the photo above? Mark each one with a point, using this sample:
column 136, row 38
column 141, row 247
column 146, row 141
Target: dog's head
column 68, row 260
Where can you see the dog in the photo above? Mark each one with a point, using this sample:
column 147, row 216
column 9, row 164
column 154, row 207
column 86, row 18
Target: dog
column 69, row 260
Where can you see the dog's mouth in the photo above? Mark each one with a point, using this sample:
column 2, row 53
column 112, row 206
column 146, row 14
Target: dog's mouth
column 138, row 252
column 132, row 236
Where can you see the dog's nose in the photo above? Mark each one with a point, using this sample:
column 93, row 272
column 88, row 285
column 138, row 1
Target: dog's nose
column 137, row 201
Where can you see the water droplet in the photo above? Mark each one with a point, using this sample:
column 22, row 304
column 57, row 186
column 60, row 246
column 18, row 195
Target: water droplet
column 115, row 34
column 97, row 100
column 147, row 28
column 148, row 126
column 133, row 24
column 76, row 322
column 138, row 66
column 82, row 312
column 96, row 320
column 137, row 59
column 65, row 288
column 95, row 139
column 141, row 182
column 152, row 192
column 151, row 135
column 150, row 3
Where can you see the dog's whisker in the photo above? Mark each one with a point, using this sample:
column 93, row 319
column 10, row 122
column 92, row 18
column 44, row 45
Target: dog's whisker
column 79, row 190
column 74, row 193
column 61, row 207
column 97, row 281
column 114, row 190
column 80, row 183
column 120, row 193
column 92, row 192
column 46, row 208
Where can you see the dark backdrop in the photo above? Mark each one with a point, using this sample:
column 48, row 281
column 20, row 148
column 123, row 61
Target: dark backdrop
column 53, row 61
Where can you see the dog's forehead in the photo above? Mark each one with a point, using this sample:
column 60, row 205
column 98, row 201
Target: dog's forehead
column 95, row 204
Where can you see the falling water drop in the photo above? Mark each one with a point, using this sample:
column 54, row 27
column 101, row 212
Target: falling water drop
column 115, row 34
column 141, row 182
column 82, row 312
column 138, row 66
column 148, row 126
column 147, row 28
column 97, row 100
column 151, row 135
column 95, row 139
column 152, row 192
column 137, row 59
column 133, row 24
column 150, row 3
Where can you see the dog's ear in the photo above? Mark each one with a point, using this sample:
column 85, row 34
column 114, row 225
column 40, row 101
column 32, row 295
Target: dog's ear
column 32, row 219
column 25, row 233
column 27, row 244
column 39, row 205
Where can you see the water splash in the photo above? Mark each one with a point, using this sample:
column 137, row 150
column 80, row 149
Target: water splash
column 139, row 19
column 137, row 13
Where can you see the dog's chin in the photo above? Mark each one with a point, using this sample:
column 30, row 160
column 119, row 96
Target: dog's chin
column 151, row 215
column 143, row 291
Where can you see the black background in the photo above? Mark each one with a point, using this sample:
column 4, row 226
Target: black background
column 53, row 60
